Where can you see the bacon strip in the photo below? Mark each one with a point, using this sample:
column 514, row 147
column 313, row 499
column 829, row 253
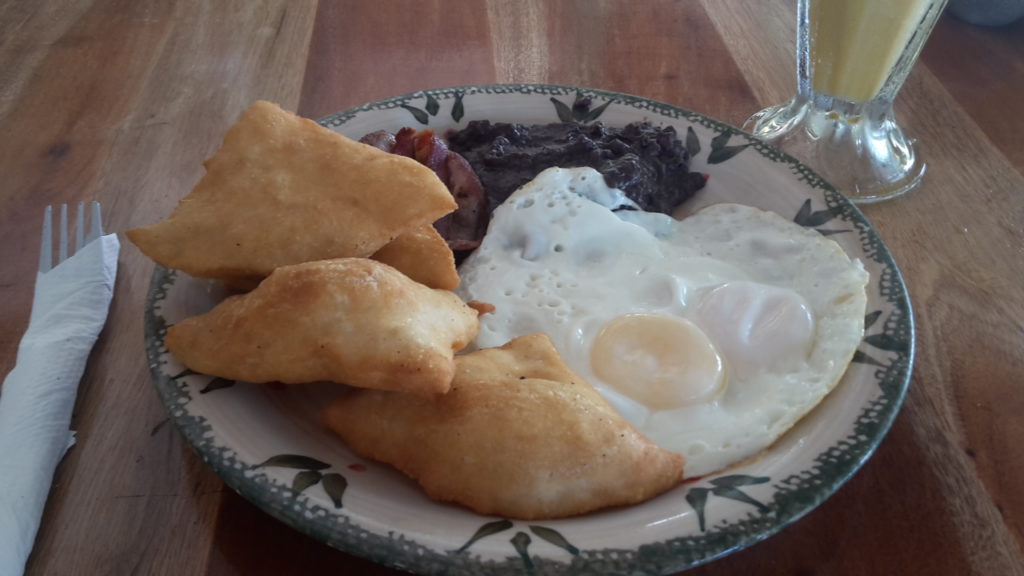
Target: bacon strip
column 464, row 228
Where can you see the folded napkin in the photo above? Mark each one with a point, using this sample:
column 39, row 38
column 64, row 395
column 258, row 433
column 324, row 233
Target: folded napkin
column 69, row 310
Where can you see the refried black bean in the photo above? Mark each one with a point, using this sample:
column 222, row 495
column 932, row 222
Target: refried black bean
column 648, row 163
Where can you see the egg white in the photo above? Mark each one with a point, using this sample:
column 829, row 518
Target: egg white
column 557, row 259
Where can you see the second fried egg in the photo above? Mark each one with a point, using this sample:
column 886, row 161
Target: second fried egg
column 712, row 335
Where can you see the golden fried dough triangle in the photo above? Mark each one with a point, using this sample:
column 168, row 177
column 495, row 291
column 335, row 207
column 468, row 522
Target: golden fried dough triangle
column 283, row 190
column 423, row 255
column 518, row 435
column 350, row 320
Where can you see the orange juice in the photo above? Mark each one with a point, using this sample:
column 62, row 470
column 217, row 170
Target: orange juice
column 855, row 45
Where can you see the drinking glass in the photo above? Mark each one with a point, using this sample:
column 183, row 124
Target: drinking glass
column 852, row 59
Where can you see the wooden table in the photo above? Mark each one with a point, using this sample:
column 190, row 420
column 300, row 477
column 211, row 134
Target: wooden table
column 121, row 102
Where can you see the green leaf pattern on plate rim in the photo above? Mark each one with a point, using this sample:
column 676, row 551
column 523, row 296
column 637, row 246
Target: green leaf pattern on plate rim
column 791, row 497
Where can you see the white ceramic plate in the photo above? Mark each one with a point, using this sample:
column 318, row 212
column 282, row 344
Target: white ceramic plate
column 268, row 443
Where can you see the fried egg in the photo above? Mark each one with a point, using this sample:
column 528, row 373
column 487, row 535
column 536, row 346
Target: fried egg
column 712, row 335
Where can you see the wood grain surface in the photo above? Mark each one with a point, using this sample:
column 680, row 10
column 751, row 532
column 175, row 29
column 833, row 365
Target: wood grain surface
column 120, row 101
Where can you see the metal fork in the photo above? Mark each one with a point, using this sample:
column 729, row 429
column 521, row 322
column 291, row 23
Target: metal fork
column 81, row 239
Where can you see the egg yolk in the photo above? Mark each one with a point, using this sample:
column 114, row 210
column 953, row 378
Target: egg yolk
column 662, row 362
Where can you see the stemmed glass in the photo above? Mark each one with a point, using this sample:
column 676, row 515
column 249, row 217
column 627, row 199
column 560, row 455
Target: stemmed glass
column 852, row 58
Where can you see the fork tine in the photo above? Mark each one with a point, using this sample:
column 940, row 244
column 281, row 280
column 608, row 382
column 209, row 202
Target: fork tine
column 96, row 230
column 79, row 227
column 46, row 250
column 62, row 249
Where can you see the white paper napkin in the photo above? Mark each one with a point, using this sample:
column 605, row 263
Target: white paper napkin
column 69, row 310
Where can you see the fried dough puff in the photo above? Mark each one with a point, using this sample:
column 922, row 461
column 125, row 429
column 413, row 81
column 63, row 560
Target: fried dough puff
column 350, row 320
column 283, row 190
column 423, row 255
column 518, row 435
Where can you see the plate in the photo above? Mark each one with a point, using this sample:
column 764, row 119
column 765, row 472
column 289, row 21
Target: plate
column 268, row 442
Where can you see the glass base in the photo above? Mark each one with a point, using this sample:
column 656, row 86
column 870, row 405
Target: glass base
column 859, row 149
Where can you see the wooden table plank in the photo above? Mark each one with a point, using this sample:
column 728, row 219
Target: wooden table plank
column 363, row 52
column 965, row 295
column 670, row 49
column 122, row 106
column 989, row 88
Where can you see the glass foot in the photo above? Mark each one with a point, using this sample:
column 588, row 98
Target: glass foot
column 862, row 152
